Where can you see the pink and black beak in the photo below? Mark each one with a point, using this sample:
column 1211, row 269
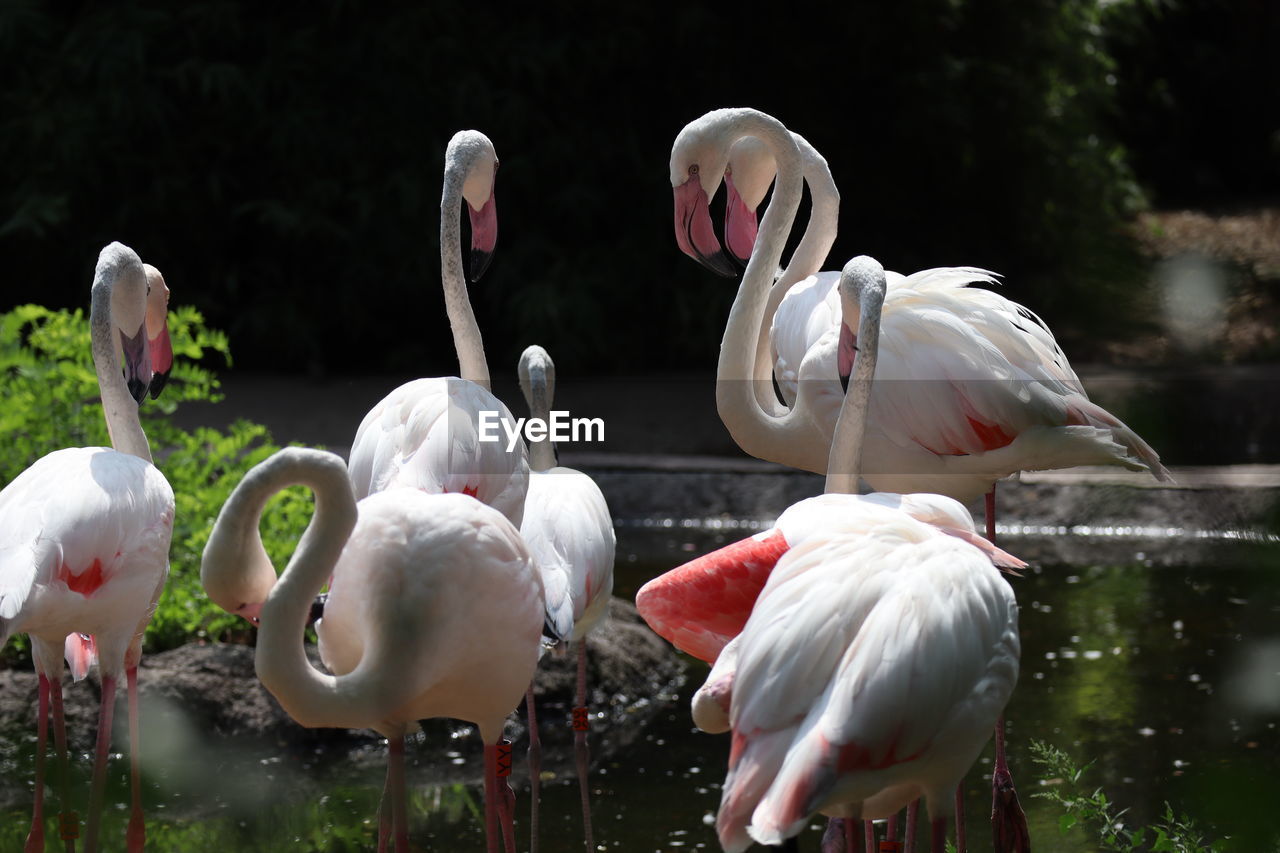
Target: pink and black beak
column 137, row 363
column 161, row 360
column 695, row 235
column 741, row 224
column 484, row 236
column 845, row 355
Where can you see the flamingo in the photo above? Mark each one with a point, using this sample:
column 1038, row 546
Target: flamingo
column 435, row 609
column 877, row 656
column 979, row 389
column 569, row 531
column 425, row 432
column 84, row 547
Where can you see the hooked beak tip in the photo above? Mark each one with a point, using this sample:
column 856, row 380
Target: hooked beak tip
column 479, row 263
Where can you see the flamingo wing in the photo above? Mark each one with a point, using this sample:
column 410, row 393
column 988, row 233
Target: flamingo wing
column 567, row 526
column 427, row 434
column 867, row 656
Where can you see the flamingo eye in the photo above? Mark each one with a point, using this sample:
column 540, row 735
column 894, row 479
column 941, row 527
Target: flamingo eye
column 693, row 170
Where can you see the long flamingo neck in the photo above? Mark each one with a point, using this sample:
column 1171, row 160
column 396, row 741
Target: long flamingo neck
column 467, row 340
column 820, row 232
column 846, row 445
column 759, row 432
column 807, row 259
column 118, row 406
column 542, row 454
column 310, row 697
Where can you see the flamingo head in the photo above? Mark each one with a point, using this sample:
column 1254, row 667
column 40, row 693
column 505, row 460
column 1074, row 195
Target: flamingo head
column 477, row 160
column 537, row 374
column 158, row 330
column 747, row 179
column 121, row 265
column 698, row 164
column 862, row 284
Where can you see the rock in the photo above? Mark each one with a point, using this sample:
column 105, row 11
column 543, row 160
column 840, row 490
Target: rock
column 197, row 696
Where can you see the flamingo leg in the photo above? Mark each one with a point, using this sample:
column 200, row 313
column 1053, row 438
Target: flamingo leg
column 913, row 816
column 491, row 797
column 98, row 786
column 580, row 749
column 891, row 828
column 1008, row 822
column 35, row 837
column 938, row 843
column 507, row 802
column 841, row 836
column 397, row 793
column 384, row 813
column 869, row 835
column 960, row 839
column 137, row 832
column 68, row 823
column 535, row 768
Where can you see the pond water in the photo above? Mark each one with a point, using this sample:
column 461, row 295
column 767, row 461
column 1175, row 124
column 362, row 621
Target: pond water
column 1161, row 667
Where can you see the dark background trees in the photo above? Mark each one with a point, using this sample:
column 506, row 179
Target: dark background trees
column 281, row 162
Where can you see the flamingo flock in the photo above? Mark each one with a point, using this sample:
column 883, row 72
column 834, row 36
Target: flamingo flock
column 863, row 648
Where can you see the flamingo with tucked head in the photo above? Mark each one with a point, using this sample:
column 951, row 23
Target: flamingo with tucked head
column 879, row 650
column 413, row 576
column 84, row 543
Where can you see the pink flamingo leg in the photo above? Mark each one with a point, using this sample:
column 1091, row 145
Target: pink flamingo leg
column 913, row 816
column 98, row 785
column 507, row 801
column 384, row 813
column 960, row 839
column 137, row 833
column 581, row 751
column 491, row 797
column 891, row 830
column 35, row 838
column 535, row 768
column 850, row 835
column 938, row 844
column 1008, row 821
column 399, row 796
column 68, row 823
column 869, row 835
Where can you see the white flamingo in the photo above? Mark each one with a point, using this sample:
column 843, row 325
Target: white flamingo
column 972, row 387
column 877, row 657
column 84, row 545
column 425, row 433
column 435, row 609
column 569, row 531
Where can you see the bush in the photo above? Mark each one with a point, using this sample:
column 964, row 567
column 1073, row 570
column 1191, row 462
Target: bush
column 48, row 381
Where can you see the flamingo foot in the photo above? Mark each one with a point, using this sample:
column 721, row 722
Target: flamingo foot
column 535, row 769
column 1008, row 821
column 835, row 839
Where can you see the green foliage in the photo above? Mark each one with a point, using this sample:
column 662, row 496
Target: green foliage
column 50, row 388
column 1096, row 816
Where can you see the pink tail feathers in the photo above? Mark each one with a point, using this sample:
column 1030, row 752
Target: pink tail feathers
column 81, row 654
column 751, row 780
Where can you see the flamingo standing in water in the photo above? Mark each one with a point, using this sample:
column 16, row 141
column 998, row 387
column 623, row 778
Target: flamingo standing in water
column 435, row 609
column 878, row 654
column 569, row 531
column 84, row 545
column 425, row 433
column 972, row 387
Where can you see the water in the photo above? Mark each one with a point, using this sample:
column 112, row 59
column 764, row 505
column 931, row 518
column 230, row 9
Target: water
column 1160, row 666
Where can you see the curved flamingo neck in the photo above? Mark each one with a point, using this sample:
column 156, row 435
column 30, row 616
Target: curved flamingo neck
column 846, row 445
column 118, row 406
column 761, row 433
column 807, row 259
column 312, row 698
column 467, row 340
